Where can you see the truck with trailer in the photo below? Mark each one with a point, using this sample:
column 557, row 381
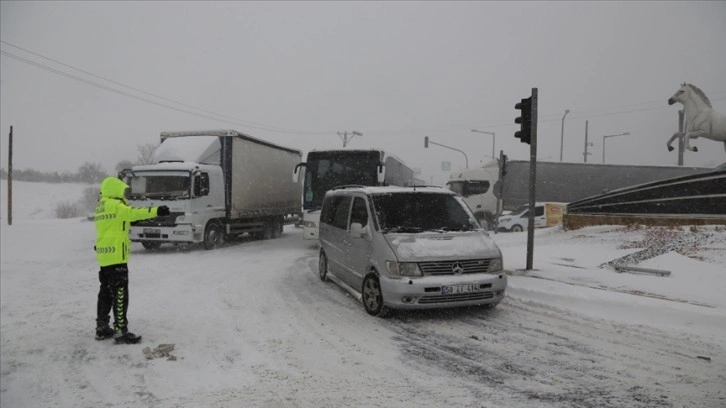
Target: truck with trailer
column 217, row 184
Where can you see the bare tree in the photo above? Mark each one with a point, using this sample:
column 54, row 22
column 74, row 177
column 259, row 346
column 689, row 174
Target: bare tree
column 146, row 154
column 91, row 173
column 123, row 164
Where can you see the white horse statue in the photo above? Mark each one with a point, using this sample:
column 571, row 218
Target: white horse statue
column 701, row 119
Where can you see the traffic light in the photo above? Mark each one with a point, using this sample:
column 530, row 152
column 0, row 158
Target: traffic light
column 525, row 132
column 426, row 141
column 504, row 164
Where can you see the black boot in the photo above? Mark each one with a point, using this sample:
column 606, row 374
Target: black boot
column 104, row 332
column 126, row 337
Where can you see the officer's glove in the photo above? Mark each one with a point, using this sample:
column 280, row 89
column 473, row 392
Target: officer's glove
column 162, row 211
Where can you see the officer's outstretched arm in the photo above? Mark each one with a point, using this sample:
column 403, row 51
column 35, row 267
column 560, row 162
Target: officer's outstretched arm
column 131, row 214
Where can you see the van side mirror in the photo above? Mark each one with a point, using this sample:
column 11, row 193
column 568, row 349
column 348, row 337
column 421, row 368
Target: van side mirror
column 296, row 173
column 381, row 173
column 357, row 230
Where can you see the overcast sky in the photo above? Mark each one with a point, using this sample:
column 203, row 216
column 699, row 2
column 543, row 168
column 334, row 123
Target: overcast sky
column 296, row 73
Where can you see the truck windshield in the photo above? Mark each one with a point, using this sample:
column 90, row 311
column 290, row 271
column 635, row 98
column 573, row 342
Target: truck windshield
column 325, row 170
column 159, row 185
column 418, row 212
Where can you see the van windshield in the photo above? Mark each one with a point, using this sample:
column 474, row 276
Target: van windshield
column 418, row 212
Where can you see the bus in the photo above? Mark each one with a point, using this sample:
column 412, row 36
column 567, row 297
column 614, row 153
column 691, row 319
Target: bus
column 326, row 169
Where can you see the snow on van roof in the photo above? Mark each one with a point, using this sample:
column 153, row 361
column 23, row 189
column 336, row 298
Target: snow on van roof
column 391, row 190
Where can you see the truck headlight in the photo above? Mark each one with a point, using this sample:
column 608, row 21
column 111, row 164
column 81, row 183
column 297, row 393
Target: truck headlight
column 310, row 224
column 403, row 268
column 495, row 265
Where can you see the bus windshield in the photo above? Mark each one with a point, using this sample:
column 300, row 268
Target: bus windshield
column 325, row 170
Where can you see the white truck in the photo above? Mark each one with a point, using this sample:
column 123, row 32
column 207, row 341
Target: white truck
column 476, row 187
column 217, row 184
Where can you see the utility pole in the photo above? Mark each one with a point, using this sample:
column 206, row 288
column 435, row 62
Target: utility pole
column 344, row 136
column 586, row 143
column 10, row 177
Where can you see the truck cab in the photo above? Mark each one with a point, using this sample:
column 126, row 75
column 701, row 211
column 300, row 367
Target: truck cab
column 193, row 192
column 476, row 187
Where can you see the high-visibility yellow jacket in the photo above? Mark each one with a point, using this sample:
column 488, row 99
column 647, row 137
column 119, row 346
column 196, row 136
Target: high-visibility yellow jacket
column 112, row 220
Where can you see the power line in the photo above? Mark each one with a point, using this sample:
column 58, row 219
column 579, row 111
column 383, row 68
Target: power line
column 236, row 121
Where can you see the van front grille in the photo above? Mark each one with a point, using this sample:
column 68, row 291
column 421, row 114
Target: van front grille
column 459, row 297
column 448, row 267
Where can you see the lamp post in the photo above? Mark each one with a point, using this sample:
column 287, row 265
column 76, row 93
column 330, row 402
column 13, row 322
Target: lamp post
column 603, row 143
column 494, row 139
column 427, row 141
column 562, row 133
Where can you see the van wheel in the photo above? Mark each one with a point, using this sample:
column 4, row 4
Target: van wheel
column 323, row 267
column 213, row 235
column 372, row 296
column 150, row 244
column 517, row 228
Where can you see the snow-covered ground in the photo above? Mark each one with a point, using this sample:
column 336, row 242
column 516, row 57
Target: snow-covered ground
column 253, row 326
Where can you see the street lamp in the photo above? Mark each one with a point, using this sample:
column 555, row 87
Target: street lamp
column 494, row 139
column 603, row 143
column 428, row 141
column 562, row 133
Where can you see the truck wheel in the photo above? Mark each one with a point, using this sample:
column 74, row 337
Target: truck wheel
column 213, row 235
column 268, row 230
column 517, row 228
column 372, row 296
column 150, row 244
column 277, row 228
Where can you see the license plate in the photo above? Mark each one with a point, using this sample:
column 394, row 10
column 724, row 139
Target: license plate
column 454, row 289
column 152, row 231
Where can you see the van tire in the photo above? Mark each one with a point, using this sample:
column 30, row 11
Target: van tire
column 372, row 296
column 517, row 228
column 213, row 235
column 323, row 267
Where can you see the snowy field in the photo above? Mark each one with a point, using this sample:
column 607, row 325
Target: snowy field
column 253, row 326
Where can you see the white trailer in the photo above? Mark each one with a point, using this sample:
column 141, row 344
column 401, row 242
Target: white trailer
column 217, row 184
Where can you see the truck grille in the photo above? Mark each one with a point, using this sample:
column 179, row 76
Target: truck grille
column 448, row 267
column 459, row 297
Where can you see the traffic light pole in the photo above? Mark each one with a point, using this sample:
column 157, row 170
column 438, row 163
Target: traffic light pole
column 532, row 180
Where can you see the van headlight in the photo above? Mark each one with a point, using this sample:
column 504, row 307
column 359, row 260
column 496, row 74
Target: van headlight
column 495, row 265
column 403, row 268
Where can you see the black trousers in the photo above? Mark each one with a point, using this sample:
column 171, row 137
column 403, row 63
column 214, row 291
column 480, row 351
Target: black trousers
column 113, row 295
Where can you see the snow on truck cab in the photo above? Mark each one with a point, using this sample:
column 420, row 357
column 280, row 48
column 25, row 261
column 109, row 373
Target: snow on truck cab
column 217, row 184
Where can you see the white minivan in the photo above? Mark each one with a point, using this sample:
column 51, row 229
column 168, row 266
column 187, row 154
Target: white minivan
column 408, row 248
column 545, row 215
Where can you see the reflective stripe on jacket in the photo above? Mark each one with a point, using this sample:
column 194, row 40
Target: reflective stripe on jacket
column 112, row 220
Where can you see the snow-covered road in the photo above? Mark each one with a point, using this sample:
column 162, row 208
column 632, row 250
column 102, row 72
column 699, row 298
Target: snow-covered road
column 253, row 326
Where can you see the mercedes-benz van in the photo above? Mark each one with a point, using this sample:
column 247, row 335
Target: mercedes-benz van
column 408, row 248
